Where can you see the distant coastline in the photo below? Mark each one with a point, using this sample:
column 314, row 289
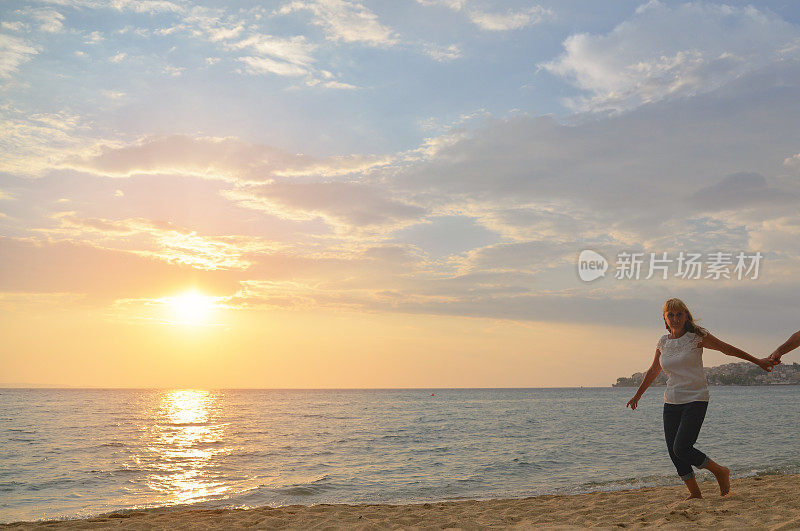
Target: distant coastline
column 742, row 373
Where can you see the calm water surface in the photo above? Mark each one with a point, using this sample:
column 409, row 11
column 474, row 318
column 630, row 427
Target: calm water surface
column 68, row 453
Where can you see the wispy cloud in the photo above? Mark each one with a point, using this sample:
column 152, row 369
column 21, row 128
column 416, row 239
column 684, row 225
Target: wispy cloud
column 336, row 85
column 264, row 65
column 46, row 266
column 348, row 206
column 160, row 240
column 137, row 6
column 32, row 142
column 13, row 52
column 508, row 20
column 668, row 51
column 492, row 20
column 48, row 20
column 442, row 54
column 13, row 26
column 345, row 20
column 213, row 158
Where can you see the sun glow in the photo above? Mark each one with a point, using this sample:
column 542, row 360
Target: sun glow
column 192, row 307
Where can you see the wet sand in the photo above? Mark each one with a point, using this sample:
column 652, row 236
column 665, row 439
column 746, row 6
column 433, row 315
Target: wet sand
column 764, row 502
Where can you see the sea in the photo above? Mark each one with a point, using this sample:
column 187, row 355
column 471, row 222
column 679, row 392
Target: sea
column 69, row 453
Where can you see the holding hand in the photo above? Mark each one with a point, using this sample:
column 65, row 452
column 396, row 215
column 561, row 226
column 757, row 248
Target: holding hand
column 766, row 363
column 633, row 402
column 790, row 344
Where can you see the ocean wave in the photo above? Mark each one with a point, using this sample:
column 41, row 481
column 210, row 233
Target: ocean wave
column 384, row 456
column 10, row 486
column 309, row 488
column 204, row 445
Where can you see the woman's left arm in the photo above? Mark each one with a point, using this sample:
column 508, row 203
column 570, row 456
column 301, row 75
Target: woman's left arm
column 713, row 343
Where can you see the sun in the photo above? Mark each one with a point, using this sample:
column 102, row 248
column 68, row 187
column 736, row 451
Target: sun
column 191, row 307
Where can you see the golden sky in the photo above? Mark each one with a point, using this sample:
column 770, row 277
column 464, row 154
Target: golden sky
column 335, row 193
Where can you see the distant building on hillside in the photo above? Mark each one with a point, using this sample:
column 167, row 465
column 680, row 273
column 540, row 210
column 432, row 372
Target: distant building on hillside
column 742, row 373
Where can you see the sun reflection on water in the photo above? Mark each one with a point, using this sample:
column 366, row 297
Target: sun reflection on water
column 185, row 439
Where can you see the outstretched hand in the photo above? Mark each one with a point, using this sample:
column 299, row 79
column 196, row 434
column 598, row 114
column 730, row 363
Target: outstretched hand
column 775, row 359
column 633, row 402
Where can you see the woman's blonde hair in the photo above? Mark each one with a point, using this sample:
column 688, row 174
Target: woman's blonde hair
column 677, row 305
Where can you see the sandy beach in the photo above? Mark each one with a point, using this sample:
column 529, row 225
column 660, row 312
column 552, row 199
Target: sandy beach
column 764, row 502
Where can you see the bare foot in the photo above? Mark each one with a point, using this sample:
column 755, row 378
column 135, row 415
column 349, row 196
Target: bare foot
column 724, row 480
column 693, row 497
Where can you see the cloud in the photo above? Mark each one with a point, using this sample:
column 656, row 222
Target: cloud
column 32, row 141
column 331, row 84
column 94, row 37
column 741, row 190
column 50, row 21
column 351, row 205
column 13, row 52
column 295, row 50
column 668, row 51
column 440, row 54
column 455, row 5
column 531, row 222
column 269, row 179
column 700, row 180
column 519, row 297
column 262, row 53
column 213, row 24
column 138, row 6
column 178, row 154
column 61, row 266
column 530, row 256
column 160, row 240
column 265, row 65
column 509, row 20
column 343, row 20
column 493, row 20
column 284, row 57
column 173, row 71
column 611, row 171
column 782, row 236
column 13, row 26
column 213, row 158
column 711, row 175
column 792, row 162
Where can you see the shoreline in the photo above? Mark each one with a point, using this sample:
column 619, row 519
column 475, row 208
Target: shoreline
column 761, row 502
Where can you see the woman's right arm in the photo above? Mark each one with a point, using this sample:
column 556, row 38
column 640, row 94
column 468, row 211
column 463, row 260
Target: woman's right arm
column 649, row 378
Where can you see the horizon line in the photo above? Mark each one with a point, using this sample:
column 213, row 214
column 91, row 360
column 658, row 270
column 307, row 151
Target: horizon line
column 12, row 385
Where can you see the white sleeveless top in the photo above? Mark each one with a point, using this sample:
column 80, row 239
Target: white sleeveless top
column 682, row 360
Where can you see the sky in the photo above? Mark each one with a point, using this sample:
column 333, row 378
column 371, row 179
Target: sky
column 380, row 194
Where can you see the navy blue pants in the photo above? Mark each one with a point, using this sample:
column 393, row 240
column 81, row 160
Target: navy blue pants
column 682, row 424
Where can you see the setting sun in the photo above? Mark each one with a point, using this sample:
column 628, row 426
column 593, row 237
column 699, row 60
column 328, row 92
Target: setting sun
column 191, row 307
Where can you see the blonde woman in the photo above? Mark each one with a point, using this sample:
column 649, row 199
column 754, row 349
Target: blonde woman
column 680, row 354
